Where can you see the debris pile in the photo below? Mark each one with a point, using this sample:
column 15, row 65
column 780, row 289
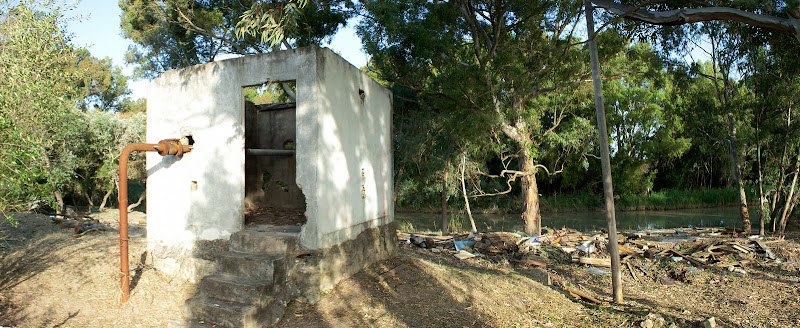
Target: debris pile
column 80, row 224
column 699, row 249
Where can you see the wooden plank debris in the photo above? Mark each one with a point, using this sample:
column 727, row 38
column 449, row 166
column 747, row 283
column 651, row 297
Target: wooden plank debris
column 581, row 294
column 597, row 262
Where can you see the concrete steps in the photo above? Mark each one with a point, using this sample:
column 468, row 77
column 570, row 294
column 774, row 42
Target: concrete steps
column 248, row 289
column 235, row 289
column 221, row 313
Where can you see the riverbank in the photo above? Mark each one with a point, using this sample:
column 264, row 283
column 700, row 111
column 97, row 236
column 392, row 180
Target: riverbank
column 667, row 199
column 580, row 220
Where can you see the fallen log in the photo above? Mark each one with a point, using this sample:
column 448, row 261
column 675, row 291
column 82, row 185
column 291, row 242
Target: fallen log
column 539, row 262
column 581, row 294
column 593, row 261
column 631, row 270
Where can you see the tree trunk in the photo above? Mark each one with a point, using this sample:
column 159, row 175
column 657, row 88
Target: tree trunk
column 397, row 182
column 138, row 202
column 59, row 200
column 531, row 215
column 445, row 218
column 88, row 199
column 787, row 206
column 737, row 176
column 105, row 198
column 464, row 191
column 762, row 210
column 605, row 158
column 776, row 200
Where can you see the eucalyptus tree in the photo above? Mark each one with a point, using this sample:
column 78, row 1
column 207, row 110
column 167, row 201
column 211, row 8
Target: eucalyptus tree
column 718, row 19
column 774, row 77
column 516, row 65
column 644, row 128
column 777, row 15
column 169, row 34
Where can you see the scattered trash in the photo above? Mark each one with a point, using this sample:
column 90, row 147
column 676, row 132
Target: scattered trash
column 497, row 243
column 417, row 240
column 461, row 244
column 80, row 224
column 596, row 270
column 737, row 270
column 692, row 250
column 587, row 247
column 463, row 255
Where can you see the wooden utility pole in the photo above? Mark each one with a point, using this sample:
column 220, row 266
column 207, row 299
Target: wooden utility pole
column 605, row 158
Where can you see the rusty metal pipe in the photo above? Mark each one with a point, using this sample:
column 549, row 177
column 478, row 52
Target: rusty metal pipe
column 163, row 147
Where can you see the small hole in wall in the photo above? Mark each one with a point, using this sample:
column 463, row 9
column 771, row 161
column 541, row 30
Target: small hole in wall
column 361, row 94
column 187, row 140
column 266, row 178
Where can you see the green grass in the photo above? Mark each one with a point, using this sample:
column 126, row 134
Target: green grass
column 570, row 202
column 674, row 199
column 660, row 200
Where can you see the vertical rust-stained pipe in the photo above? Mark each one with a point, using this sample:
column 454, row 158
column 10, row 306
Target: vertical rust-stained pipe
column 163, row 147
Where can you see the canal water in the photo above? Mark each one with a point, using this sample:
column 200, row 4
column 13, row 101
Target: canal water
column 582, row 221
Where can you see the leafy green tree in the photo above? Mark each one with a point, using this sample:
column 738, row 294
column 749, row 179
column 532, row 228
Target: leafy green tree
column 101, row 84
column 174, row 33
column 47, row 86
column 37, row 106
column 514, row 65
column 644, row 129
column 108, row 133
column 773, row 74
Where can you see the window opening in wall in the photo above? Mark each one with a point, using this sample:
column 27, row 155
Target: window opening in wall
column 271, row 193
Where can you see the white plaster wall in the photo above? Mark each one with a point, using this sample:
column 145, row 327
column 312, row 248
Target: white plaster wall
column 354, row 149
column 207, row 101
column 339, row 136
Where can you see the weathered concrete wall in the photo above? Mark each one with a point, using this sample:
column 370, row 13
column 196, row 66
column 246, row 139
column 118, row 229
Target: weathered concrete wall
column 342, row 144
column 322, row 269
column 271, row 129
column 201, row 196
column 354, row 153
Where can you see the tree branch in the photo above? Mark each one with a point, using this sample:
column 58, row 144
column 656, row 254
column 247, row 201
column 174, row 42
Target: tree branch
column 199, row 29
column 705, row 14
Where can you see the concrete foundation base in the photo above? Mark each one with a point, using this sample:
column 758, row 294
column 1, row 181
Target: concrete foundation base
column 317, row 271
column 260, row 269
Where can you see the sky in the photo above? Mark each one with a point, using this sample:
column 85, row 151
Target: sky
column 95, row 26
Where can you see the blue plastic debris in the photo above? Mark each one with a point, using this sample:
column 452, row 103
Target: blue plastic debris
column 461, row 244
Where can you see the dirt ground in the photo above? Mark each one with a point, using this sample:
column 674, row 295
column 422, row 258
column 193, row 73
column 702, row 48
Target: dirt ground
column 48, row 278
